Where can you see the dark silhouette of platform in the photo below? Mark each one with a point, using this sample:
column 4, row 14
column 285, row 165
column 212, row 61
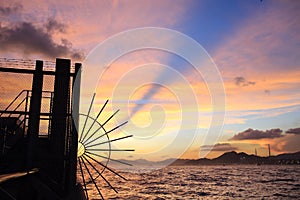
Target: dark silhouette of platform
column 36, row 164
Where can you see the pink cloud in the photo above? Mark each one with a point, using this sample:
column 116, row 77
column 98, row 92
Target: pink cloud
column 91, row 22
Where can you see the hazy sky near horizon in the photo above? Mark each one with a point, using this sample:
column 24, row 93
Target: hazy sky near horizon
column 254, row 44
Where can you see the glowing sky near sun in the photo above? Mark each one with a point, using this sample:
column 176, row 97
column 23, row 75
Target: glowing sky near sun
column 254, row 44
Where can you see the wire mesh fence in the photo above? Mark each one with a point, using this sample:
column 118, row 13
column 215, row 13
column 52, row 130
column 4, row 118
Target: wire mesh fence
column 15, row 89
column 28, row 64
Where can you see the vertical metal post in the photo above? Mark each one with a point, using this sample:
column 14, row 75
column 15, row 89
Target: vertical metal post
column 34, row 113
column 75, row 117
column 26, row 110
column 59, row 129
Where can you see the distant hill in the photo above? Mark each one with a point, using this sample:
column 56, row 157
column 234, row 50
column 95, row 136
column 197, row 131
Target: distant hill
column 243, row 158
column 226, row 158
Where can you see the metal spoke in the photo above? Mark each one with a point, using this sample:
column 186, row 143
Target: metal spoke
column 8, row 194
column 102, row 125
column 89, row 139
column 110, row 117
column 121, row 138
column 95, row 120
column 91, row 177
column 95, row 133
column 106, row 132
column 91, row 105
column 100, row 174
column 109, row 149
column 106, row 167
column 108, row 158
column 84, row 183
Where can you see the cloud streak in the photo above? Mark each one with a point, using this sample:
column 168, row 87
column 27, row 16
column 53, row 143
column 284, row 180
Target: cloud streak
column 219, row 147
column 293, row 131
column 251, row 134
column 241, row 81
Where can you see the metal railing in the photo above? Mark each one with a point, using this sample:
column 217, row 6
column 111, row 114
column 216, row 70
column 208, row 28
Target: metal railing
column 22, row 115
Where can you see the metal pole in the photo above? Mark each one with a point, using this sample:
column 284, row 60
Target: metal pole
column 74, row 134
column 34, row 114
column 59, row 129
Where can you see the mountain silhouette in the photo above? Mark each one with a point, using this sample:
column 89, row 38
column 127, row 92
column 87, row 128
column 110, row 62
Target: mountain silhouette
column 243, row 158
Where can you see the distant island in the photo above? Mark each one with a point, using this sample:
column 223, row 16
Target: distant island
column 227, row 158
column 243, row 158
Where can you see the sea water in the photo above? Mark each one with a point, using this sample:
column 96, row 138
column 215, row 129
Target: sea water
column 203, row 182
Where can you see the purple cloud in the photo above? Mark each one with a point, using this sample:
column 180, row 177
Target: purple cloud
column 219, row 147
column 241, row 81
column 251, row 134
column 293, row 131
column 28, row 38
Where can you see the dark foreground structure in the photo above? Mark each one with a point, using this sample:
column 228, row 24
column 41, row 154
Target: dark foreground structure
column 38, row 138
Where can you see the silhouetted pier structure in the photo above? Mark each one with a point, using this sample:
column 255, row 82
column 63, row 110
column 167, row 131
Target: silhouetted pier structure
column 37, row 131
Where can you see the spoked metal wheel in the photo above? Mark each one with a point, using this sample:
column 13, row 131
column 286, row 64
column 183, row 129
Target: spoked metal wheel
column 94, row 150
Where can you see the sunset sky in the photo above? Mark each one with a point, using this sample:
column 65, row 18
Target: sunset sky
column 254, row 44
